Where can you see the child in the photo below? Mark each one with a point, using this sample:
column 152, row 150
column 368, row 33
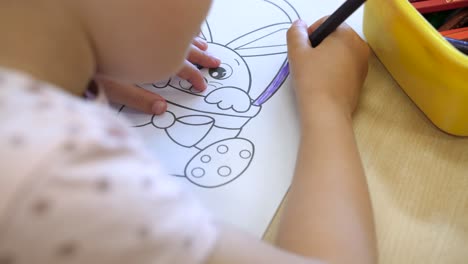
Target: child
column 77, row 186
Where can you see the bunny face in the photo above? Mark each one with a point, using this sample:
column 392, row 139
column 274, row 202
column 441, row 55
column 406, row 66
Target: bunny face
column 202, row 131
column 233, row 72
column 230, row 87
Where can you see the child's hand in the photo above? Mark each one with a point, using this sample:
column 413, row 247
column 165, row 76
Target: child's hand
column 198, row 56
column 152, row 103
column 331, row 74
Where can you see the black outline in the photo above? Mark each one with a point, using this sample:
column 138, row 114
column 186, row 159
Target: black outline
column 240, row 154
column 254, row 32
column 223, row 184
column 149, row 123
column 210, row 82
column 153, row 123
column 229, row 174
column 224, row 77
column 210, row 34
column 157, row 87
column 220, row 152
column 282, row 68
column 213, row 113
column 245, row 63
column 284, row 11
column 232, row 106
column 178, row 120
column 207, row 35
column 189, row 91
column 198, row 177
column 209, row 157
column 270, row 46
column 263, row 55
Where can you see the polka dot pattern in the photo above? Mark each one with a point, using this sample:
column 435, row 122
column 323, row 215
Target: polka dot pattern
column 103, row 185
column 117, row 132
column 40, row 207
column 16, row 140
column 92, row 188
column 188, row 243
column 143, row 232
column 34, row 87
column 67, row 250
column 70, row 146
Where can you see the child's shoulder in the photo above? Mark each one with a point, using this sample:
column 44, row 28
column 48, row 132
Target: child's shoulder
column 38, row 118
column 75, row 183
column 43, row 128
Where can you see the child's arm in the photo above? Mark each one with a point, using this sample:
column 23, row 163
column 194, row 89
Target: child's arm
column 329, row 193
column 151, row 103
column 328, row 214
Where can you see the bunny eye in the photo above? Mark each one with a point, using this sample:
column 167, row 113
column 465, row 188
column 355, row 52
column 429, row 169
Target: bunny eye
column 223, row 72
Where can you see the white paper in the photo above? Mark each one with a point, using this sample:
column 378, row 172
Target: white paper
column 233, row 145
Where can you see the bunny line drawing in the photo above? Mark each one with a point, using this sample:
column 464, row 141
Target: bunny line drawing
column 209, row 123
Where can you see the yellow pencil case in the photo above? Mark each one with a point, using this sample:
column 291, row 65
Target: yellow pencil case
column 430, row 70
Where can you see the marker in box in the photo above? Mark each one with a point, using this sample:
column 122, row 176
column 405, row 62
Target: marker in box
column 456, row 20
column 459, row 33
column 461, row 45
column 430, row 6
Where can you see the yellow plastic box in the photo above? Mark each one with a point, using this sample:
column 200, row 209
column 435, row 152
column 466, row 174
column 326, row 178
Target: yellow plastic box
column 432, row 72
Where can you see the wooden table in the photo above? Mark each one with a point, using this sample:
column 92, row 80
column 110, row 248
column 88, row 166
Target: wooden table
column 418, row 177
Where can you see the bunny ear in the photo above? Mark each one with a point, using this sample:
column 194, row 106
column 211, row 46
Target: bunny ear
column 205, row 32
column 286, row 7
column 265, row 41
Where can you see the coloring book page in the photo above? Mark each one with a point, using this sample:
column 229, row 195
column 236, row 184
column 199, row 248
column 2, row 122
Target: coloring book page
column 235, row 144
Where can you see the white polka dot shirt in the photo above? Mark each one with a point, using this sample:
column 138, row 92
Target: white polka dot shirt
column 77, row 186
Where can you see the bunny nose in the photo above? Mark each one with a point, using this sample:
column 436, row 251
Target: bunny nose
column 184, row 84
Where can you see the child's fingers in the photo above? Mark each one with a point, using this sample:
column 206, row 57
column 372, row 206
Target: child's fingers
column 193, row 75
column 316, row 25
column 298, row 38
column 199, row 57
column 200, row 43
column 133, row 96
column 342, row 28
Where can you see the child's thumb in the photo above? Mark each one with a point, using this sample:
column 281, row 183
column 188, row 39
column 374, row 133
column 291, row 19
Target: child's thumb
column 298, row 38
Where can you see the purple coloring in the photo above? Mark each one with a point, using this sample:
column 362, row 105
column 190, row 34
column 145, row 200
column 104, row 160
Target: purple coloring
column 274, row 85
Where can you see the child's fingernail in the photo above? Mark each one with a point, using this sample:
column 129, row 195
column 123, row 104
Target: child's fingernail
column 202, row 87
column 159, row 107
column 201, row 40
column 299, row 22
column 216, row 60
column 202, row 43
column 213, row 58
